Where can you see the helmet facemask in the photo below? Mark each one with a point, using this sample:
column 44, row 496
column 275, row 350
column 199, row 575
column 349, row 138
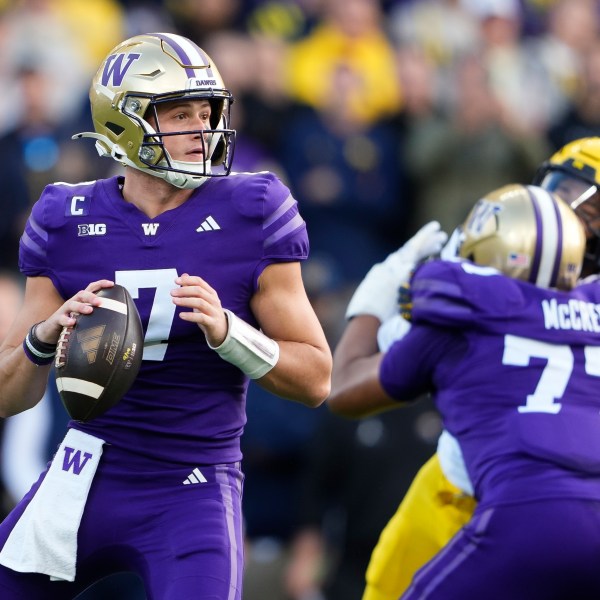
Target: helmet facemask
column 217, row 142
column 573, row 172
column 583, row 197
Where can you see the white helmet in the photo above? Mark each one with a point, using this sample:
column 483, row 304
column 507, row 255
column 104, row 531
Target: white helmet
column 142, row 72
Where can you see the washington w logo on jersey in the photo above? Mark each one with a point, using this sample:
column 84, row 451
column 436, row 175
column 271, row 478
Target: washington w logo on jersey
column 150, row 228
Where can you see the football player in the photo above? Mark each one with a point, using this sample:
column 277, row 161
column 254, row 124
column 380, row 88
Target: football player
column 440, row 500
column 573, row 172
column 212, row 259
column 511, row 362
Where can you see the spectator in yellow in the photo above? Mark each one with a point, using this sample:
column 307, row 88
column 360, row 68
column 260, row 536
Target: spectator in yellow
column 350, row 34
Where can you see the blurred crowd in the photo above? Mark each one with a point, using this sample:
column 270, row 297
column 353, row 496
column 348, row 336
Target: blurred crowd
column 380, row 115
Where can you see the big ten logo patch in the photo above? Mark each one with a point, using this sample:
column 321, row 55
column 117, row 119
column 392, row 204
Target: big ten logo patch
column 91, row 229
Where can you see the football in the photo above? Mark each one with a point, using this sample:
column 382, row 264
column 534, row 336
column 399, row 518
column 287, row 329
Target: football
column 99, row 357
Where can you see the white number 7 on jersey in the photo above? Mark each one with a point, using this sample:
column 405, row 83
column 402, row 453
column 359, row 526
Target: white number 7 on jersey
column 163, row 309
column 555, row 376
column 556, row 373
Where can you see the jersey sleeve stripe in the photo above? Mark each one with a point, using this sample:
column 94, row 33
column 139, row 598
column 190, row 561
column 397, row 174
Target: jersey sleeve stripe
column 39, row 231
column 294, row 224
column 31, row 245
column 281, row 210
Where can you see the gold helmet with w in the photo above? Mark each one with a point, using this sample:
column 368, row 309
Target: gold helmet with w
column 135, row 77
column 526, row 233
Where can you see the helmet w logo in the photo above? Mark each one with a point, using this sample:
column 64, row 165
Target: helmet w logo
column 482, row 212
column 116, row 67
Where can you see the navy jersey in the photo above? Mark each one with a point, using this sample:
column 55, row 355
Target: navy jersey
column 515, row 370
column 187, row 404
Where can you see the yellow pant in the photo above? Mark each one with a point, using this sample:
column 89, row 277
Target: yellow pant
column 432, row 511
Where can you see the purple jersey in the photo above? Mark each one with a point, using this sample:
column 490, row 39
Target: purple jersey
column 515, row 370
column 187, row 404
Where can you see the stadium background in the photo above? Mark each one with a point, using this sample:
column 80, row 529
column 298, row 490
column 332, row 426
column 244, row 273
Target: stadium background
column 380, row 115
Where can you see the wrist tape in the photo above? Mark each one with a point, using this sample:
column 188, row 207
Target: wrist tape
column 38, row 352
column 247, row 348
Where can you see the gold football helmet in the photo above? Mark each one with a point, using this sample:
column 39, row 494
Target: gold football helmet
column 141, row 73
column 527, row 233
column 573, row 172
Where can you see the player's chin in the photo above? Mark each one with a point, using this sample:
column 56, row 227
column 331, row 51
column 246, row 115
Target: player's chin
column 196, row 157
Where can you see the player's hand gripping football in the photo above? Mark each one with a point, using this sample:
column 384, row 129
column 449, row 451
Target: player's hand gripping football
column 377, row 294
column 83, row 303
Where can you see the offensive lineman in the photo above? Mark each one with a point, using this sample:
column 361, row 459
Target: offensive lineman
column 440, row 500
column 529, row 442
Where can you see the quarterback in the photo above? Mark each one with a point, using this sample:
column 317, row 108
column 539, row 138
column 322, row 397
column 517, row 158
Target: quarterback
column 212, row 260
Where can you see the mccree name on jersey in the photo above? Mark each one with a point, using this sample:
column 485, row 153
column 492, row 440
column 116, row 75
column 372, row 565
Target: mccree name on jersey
column 576, row 315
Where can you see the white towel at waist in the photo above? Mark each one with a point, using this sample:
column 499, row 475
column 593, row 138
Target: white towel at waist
column 44, row 540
